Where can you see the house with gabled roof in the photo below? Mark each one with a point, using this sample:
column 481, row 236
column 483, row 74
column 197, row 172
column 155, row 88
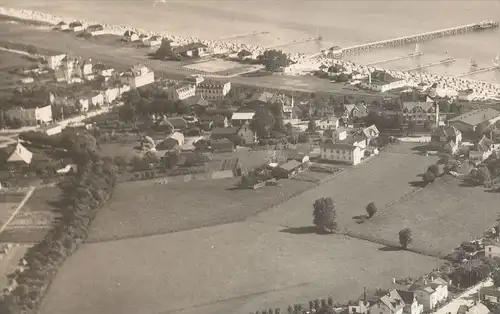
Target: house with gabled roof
column 130, row 36
column 482, row 150
column 389, row 303
column 430, row 293
column 62, row 26
column 419, row 113
column 20, row 155
column 412, row 306
column 240, row 135
column 371, row 133
column 76, row 26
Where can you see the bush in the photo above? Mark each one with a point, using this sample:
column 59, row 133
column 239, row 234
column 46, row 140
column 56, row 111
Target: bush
column 81, row 198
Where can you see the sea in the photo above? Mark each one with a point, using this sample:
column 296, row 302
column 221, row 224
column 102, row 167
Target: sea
column 286, row 24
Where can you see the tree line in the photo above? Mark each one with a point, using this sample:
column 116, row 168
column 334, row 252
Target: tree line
column 82, row 196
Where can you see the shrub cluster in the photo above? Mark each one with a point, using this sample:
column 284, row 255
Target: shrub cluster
column 82, row 196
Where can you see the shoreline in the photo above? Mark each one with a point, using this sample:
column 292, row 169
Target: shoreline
column 447, row 85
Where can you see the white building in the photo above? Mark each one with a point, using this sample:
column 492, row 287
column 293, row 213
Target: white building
column 31, row 116
column 62, row 26
column 181, row 92
column 349, row 150
column 331, row 123
column 20, row 155
column 240, row 118
column 139, row 76
column 213, row 91
column 95, row 30
column 430, row 293
column 55, row 61
column 76, row 26
column 492, row 251
column 381, row 81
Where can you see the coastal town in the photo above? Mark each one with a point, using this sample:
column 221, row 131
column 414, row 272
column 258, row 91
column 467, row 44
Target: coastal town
column 149, row 173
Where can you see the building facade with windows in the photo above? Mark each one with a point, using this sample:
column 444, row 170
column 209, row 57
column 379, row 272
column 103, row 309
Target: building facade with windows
column 181, row 92
column 31, row 116
column 420, row 113
column 213, row 91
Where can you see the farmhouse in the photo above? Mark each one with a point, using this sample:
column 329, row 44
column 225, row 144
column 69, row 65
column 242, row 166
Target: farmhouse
column 181, row 92
column 240, row 118
column 430, row 293
column 381, row 81
column 31, row 116
column 468, row 122
column 191, row 50
column 139, row 76
column 420, row 113
column 213, row 91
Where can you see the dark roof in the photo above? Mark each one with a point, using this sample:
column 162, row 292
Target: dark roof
column 462, row 309
column 221, row 144
column 476, row 117
column 189, row 47
column 76, row 23
column 290, row 165
column 196, row 101
column 407, row 296
column 217, row 132
column 177, row 122
column 490, row 291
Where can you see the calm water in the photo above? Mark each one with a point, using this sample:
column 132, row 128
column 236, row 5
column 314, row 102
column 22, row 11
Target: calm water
column 341, row 23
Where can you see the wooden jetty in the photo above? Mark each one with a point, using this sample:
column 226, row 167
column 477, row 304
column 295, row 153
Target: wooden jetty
column 482, row 70
column 414, row 38
column 432, row 64
column 411, row 55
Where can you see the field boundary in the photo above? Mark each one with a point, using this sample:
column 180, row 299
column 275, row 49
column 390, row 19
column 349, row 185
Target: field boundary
column 229, row 221
column 19, row 207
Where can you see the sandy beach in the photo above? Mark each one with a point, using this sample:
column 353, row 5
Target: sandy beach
column 238, row 40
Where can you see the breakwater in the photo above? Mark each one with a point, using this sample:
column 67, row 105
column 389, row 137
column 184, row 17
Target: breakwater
column 414, row 38
column 482, row 70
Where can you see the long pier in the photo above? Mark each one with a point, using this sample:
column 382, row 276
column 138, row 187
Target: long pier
column 411, row 55
column 415, row 38
column 433, row 64
column 482, row 70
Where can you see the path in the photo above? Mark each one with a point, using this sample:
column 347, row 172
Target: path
column 19, row 207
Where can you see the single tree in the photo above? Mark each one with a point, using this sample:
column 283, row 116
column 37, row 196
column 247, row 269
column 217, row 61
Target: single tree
column 434, row 169
column 311, row 126
column 290, row 309
column 371, row 209
column 429, row 177
column 165, row 50
column 325, row 217
column 405, row 237
column 273, row 60
column 495, row 276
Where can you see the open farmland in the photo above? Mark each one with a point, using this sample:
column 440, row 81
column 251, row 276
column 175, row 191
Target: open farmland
column 35, row 218
column 234, row 268
column 143, row 208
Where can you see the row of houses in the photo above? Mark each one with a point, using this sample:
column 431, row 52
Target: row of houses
column 84, row 99
column 77, row 26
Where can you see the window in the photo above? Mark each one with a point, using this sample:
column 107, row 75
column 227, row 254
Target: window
column 489, row 249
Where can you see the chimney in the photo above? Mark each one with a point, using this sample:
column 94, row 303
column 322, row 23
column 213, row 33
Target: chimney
column 364, row 294
column 393, row 280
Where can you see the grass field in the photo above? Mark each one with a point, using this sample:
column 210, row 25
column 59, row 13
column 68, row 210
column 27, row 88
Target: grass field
column 234, row 268
column 142, row 208
column 212, row 66
column 33, row 221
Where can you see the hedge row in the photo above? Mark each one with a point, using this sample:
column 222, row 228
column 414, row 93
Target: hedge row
column 82, row 197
